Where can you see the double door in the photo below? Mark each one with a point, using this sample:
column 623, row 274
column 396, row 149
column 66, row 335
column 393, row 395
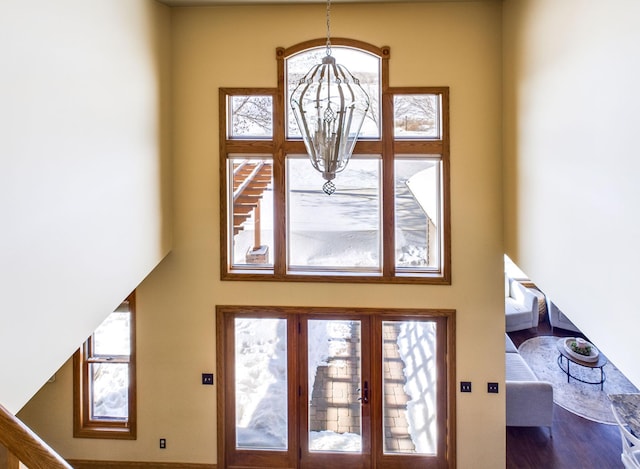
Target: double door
column 320, row 388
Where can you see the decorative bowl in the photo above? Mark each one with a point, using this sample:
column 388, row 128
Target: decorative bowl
column 593, row 353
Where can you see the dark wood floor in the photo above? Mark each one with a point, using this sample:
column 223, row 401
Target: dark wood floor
column 576, row 443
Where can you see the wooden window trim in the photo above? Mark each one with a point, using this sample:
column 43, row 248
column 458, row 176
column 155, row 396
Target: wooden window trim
column 446, row 400
column 83, row 425
column 387, row 146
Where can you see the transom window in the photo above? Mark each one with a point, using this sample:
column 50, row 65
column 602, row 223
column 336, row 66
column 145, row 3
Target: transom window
column 388, row 220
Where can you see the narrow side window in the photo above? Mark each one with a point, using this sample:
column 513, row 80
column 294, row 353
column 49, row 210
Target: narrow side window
column 104, row 384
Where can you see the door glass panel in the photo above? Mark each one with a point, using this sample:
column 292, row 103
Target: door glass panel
column 334, row 364
column 409, row 387
column 261, row 383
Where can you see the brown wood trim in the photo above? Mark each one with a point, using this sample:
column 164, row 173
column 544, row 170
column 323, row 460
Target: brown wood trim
column 387, row 147
column 90, row 464
column 452, row 416
column 363, row 147
column 388, row 183
column 8, row 460
column 335, row 41
column 21, row 443
column 279, row 182
column 223, row 351
column 445, row 352
column 446, row 330
column 435, row 279
column 223, row 178
column 83, row 426
column 446, row 188
column 255, row 147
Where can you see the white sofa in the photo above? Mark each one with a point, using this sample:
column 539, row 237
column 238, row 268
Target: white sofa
column 529, row 400
column 558, row 319
column 521, row 307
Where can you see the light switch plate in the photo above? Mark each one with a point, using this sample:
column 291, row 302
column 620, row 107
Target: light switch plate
column 207, row 378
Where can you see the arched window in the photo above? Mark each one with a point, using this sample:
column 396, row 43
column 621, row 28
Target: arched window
column 388, row 220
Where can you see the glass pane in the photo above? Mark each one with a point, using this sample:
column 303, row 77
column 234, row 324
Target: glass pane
column 334, row 366
column 250, row 117
column 409, row 387
column 338, row 232
column 251, row 212
column 113, row 336
column 261, row 383
column 109, row 391
column 416, row 116
column 362, row 65
column 418, row 221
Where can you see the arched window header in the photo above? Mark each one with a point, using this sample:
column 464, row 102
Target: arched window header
column 383, row 52
column 388, row 221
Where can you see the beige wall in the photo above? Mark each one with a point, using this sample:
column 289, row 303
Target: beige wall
column 572, row 70
column 452, row 44
column 83, row 173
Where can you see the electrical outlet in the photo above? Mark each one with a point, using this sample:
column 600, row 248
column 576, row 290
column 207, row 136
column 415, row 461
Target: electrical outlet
column 492, row 388
column 163, row 443
column 465, row 386
column 207, row 378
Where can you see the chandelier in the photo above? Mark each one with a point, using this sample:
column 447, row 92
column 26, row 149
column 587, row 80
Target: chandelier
column 329, row 106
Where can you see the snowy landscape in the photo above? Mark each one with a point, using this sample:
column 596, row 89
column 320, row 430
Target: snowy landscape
column 344, row 230
column 110, row 381
column 261, row 382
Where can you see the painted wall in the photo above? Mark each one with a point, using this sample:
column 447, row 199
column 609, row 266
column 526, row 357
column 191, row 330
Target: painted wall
column 452, row 44
column 571, row 134
column 83, row 173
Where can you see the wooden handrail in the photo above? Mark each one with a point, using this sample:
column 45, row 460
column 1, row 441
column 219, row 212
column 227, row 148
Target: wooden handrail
column 26, row 445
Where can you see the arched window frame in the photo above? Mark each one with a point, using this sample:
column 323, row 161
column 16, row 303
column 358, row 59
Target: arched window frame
column 277, row 147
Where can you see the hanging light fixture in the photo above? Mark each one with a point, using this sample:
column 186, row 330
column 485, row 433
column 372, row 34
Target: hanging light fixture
column 330, row 106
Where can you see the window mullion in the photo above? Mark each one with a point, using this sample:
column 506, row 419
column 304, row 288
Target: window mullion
column 279, row 198
column 388, row 191
column 86, row 386
column 109, row 359
column 397, row 258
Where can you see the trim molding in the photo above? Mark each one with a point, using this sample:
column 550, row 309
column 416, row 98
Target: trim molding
column 90, row 464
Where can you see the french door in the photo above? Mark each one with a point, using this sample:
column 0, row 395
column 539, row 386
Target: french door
column 323, row 387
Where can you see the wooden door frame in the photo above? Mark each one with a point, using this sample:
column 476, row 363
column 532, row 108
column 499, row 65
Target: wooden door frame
column 446, row 398
column 344, row 460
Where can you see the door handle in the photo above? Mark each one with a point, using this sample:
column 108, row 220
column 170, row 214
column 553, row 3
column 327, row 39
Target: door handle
column 365, row 393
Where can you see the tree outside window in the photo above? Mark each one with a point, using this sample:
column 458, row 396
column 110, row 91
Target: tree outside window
column 387, row 222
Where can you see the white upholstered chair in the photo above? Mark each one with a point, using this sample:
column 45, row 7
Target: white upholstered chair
column 630, row 445
column 558, row 319
column 520, row 307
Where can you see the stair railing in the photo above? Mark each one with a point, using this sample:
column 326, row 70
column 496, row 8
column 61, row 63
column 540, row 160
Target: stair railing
column 23, row 445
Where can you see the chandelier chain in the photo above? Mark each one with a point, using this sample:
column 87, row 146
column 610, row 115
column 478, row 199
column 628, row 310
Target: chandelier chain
column 328, row 27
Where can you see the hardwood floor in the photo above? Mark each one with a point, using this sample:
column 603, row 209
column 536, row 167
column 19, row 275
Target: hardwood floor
column 576, row 443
